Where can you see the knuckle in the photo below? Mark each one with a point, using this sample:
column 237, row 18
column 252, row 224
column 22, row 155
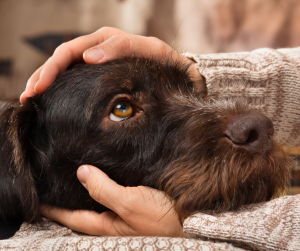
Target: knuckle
column 155, row 41
column 60, row 48
column 107, row 29
column 49, row 60
column 124, row 210
column 157, row 44
column 129, row 202
column 80, row 38
column 94, row 189
column 122, row 42
column 104, row 29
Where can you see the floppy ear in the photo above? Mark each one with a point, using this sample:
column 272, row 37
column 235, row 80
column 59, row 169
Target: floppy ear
column 23, row 129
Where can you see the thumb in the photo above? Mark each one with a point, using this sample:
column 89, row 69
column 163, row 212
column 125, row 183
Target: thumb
column 101, row 188
column 126, row 45
column 109, row 50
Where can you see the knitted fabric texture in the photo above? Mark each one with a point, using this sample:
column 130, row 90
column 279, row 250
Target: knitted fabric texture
column 273, row 225
column 51, row 236
column 267, row 79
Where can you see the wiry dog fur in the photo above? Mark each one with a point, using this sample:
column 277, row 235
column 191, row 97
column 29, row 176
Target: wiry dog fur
column 173, row 142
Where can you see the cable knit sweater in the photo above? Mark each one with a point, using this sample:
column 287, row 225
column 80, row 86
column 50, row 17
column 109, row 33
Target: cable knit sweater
column 270, row 81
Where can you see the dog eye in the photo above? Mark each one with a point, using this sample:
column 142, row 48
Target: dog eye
column 121, row 111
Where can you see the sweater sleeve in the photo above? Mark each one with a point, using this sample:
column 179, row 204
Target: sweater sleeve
column 267, row 79
column 274, row 225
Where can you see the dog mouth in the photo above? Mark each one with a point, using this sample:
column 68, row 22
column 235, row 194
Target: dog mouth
column 227, row 182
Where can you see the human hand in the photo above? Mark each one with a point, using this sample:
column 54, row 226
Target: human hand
column 104, row 45
column 136, row 210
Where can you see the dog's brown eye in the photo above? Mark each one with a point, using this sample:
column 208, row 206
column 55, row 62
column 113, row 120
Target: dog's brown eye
column 121, row 110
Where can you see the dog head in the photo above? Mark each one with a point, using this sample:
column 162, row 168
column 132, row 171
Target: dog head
column 143, row 123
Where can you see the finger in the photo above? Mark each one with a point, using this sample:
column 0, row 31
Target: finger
column 69, row 52
column 29, row 91
column 101, row 188
column 127, row 45
column 88, row 222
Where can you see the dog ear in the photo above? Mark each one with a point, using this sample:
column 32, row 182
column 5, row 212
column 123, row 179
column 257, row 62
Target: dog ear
column 22, row 133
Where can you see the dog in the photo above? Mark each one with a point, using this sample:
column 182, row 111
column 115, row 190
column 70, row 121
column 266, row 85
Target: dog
column 142, row 122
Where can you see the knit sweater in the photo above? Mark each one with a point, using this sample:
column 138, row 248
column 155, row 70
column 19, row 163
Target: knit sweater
column 269, row 80
column 274, row 225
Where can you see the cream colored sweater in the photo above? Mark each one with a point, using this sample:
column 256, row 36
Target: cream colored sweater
column 270, row 81
column 274, row 225
column 267, row 79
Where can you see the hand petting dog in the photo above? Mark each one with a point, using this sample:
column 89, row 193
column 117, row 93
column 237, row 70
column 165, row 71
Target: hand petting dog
column 104, row 45
column 136, row 210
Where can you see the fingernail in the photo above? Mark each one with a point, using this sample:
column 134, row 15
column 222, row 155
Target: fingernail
column 82, row 174
column 95, row 54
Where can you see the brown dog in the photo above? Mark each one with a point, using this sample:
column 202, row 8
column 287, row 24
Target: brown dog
column 142, row 123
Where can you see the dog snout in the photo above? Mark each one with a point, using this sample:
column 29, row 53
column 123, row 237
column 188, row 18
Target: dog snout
column 251, row 132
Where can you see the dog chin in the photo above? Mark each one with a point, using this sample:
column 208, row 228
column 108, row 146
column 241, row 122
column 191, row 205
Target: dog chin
column 226, row 182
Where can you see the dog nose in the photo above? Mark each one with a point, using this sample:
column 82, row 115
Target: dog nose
column 251, row 132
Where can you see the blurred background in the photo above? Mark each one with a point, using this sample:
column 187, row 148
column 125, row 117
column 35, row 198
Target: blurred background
column 30, row 30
